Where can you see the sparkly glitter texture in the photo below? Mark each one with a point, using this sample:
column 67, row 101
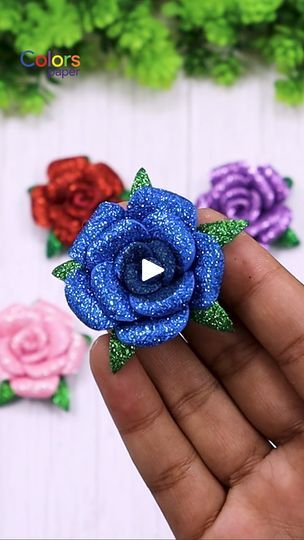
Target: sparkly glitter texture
column 104, row 216
column 131, row 279
column 62, row 271
column 256, row 194
column 82, row 301
column 165, row 257
column 75, row 187
column 141, row 180
column 107, row 291
column 7, row 394
column 147, row 200
column 128, row 265
column 169, row 299
column 119, row 353
column 150, row 332
column 171, row 229
column 113, row 240
column 223, row 231
column 112, row 298
column 208, row 271
column 37, row 347
column 62, row 396
column 215, row 317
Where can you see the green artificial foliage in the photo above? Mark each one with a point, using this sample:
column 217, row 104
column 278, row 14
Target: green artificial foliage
column 288, row 239
column 119, row 353
column 61, row 398
column 258, row 11
column 7, row 394
column 214, row 317
column 290, row 91
column 150, row 41
column 53, row 246
column 64, row 270
column 140, row 181
column 288, row 181
column 88, row 339
column 223, row 231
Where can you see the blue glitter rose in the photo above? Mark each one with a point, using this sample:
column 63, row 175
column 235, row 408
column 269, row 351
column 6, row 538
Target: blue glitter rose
column 104, row 285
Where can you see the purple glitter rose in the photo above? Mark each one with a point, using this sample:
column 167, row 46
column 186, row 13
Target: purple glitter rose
column 256, row 194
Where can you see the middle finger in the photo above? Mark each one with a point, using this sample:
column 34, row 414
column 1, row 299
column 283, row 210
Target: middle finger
column 252, row 379
column 225, row 440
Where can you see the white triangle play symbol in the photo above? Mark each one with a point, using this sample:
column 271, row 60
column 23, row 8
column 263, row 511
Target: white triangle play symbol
column 150, row 270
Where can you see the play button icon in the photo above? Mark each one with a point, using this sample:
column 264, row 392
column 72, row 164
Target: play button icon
column 150, row 270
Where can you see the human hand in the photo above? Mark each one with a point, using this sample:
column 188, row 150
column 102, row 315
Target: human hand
column 197, row 417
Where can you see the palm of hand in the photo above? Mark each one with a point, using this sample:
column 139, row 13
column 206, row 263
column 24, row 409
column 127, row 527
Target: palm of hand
column 197, row 416
column 268, row 503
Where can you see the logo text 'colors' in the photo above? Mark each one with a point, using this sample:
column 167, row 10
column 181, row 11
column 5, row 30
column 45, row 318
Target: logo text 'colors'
column 58, row 65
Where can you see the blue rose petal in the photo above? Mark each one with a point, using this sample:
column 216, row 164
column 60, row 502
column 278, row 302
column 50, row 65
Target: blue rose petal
column 165, row 257
column 171, row 229
column 208, row 271
column 105, row 215
column 134, row 252
column 133, row 282
column 109, row 293
column 148, row 200
column 147, row 333
column 83, row 302
column 113, row 240
column 166, row 300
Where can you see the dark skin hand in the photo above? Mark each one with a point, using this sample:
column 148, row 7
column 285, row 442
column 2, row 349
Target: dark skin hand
column 197, row 417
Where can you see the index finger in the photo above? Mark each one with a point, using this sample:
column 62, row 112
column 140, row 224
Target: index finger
column 268, row 299
column 186, row 491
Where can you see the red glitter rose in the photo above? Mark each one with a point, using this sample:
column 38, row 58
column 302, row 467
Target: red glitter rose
column 74, row 190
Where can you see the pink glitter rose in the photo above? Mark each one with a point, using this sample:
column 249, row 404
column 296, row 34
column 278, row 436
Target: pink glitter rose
column 38, row 347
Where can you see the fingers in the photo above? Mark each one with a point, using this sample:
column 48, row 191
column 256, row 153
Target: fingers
column 268, row 300
column 188, row 494
column 252, row 378
column 225, row 440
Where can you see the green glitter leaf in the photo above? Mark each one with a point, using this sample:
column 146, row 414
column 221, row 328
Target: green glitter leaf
column 64, row 270
column 224, row 231
column 53, row 246
column 87, row 338
column 125, row 196
column 62, row 396
column 287, row 239
column 288, row 181
column 214, row 317
column 141, row 180
column 119, row 353
column 7, row 394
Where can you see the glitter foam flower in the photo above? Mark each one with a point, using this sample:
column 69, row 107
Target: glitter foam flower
column 38, row 349
column 75, row 188
column 104, row 282
column 257, row 194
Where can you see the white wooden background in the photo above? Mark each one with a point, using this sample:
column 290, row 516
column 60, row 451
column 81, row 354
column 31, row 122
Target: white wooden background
column 68, row 475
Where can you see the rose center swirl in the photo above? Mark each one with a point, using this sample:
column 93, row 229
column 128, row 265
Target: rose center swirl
column 128, row 266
